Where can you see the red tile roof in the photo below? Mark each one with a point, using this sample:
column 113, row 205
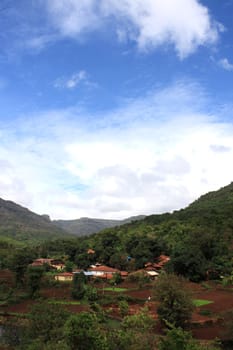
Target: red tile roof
column 104, row 269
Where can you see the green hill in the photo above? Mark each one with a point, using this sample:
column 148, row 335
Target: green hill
column 18, row 224
column 87, row 226
column 199, row 238
column 213, row 210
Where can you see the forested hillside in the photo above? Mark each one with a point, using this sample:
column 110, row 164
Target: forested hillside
column 87, row 226
column 18, row 224
column 198, row 239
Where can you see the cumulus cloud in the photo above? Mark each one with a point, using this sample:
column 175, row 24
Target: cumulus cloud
column 225, row 64
column 185, row 24
column 164, row 151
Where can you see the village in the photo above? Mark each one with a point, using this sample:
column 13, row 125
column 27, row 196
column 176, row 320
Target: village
column 104, row 272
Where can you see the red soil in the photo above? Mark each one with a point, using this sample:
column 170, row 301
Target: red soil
column 204, row 327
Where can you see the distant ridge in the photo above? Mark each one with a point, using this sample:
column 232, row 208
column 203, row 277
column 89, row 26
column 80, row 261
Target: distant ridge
column 213, row 210
column 20, row 224
column 87, row 226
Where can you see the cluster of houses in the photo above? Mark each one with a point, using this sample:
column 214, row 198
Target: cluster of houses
column 101, row 271
column 53, row 263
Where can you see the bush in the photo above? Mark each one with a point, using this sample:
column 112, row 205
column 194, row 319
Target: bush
column 91, row 293
column 123, row 307
column 176, row 304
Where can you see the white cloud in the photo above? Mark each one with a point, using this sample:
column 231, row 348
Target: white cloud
column 72, row 82
column 163, row 152
column 185, row 24
column 225, row 64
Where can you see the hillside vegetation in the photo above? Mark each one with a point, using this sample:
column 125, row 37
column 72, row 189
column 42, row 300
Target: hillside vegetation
column 87, row 226
column 199, row 238
column 18, row 224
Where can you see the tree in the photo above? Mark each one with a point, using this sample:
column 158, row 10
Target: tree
column 69, row 266
column 190, row 263
column 83, row 260
column 34, row 275
column 79, row 285
column 19, row 263
column 44, row 326
column 91, row 293
column 178, row 339
column 82, row 332
column 123, row 307
column 176, row 304
column 116, row 278
column 136, row 333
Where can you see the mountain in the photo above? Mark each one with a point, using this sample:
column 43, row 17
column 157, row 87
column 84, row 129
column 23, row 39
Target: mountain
column 87, row 226
column 213, row 210
column 20, row 224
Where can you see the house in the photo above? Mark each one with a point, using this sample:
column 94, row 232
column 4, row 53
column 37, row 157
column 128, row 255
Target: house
column 162, row 260
column 157, row 266
column 64, row 276
column 54, row 263
column 105, row 272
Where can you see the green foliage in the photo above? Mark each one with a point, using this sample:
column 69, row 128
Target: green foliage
column 115, row 289
column 83, row 260
column 175, row 302
column 47, row 320
column 82, row 332
column 91, row 293
column 178, row 339
column 190, row 263
column 19, row 263
column 123, row 307
column 140, row 277
column 136, row 333
column 69, row 266
column 45, row 325
column 141, row 321
column 198, row 239
column 19, row 224
column 33, row 278
column 79, row 286
column 116, row 278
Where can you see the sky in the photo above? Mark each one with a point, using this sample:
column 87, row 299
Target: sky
column 114, row 108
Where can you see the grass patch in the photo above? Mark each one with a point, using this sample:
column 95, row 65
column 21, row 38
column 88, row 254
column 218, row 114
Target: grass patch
column 115, row 289
column 62, row 302
column 201, row 302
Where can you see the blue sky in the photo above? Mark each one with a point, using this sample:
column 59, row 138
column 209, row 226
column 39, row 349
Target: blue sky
column 114, row 108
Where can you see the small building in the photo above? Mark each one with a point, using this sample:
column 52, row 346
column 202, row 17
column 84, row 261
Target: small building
column 64, row 276
column 159, row 264
column 102, row 269
column 106, row 272
column 54, row 263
